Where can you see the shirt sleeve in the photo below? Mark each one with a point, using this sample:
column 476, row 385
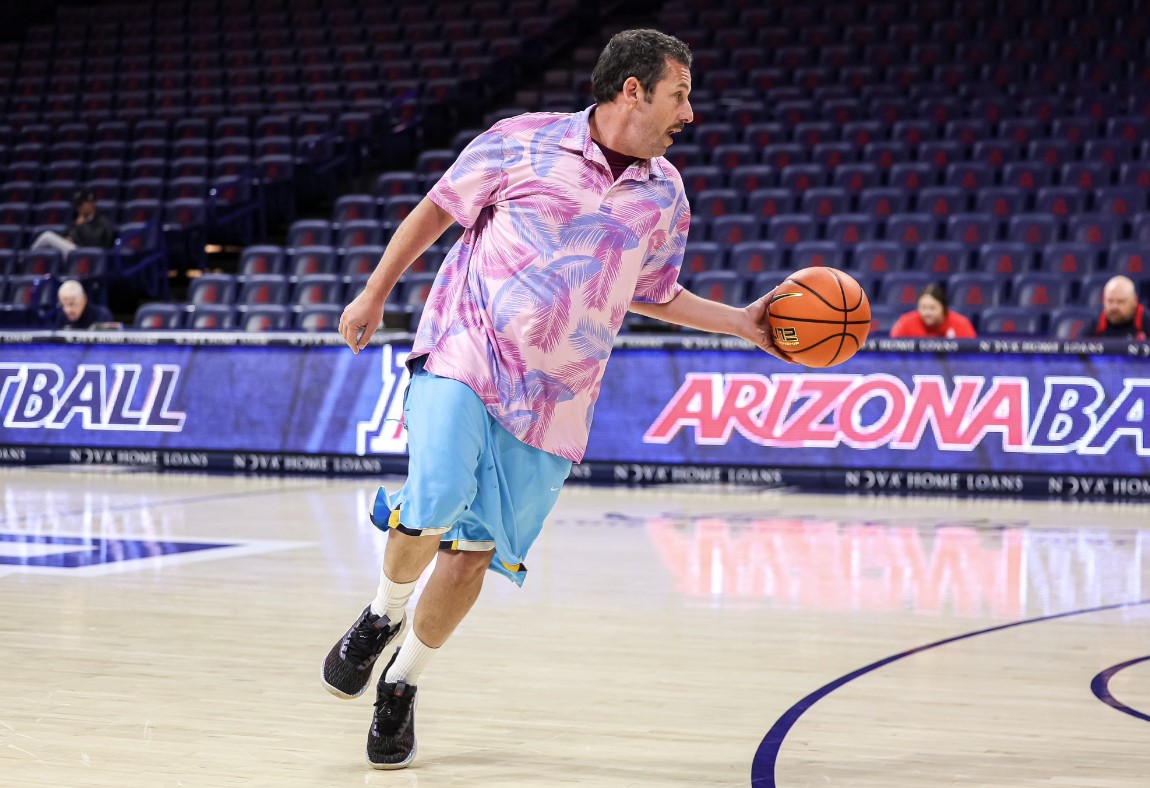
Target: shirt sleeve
column 659, row 278
column 473, row 181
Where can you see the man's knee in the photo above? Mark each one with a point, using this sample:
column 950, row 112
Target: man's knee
column 464, row 566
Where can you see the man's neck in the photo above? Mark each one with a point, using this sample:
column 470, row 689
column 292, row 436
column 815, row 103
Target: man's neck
column 605, row 129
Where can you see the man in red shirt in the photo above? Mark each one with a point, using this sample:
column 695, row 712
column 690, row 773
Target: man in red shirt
column 1122, row 316
column 933, row 319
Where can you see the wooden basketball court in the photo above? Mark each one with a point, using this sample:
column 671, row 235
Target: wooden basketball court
column 167, row 630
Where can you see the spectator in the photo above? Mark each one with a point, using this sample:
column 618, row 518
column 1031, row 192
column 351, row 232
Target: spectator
column 90, row 227
column 1122, row 316
column 933, row 319
column 76, row 311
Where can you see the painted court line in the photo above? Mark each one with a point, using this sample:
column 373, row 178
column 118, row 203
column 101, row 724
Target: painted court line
column 1100, row 686
column 766, row 757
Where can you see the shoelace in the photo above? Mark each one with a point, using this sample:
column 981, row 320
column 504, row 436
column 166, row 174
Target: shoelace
column 363, row 643
column 392, row 708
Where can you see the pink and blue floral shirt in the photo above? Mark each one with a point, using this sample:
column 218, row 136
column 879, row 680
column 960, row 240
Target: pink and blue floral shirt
column 527, row 304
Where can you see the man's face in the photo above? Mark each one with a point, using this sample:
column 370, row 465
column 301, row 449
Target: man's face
column 1119, row 304
column 664, row 111
column 73, row 304
column 86, row 211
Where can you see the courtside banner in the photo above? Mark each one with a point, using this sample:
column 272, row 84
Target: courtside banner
column 309, row 398
column 933, row 412
column 1015, row 416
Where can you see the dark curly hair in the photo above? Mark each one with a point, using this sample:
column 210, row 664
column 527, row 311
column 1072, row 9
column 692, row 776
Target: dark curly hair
column 642, row 54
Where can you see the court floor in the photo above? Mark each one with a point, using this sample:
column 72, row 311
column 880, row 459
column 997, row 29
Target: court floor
column 167, row 630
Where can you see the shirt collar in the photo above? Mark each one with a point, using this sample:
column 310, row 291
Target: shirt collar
column 578, row 139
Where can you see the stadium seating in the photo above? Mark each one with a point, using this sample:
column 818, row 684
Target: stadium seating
column 937, row 145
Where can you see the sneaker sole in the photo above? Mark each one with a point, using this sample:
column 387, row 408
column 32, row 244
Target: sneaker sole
column 406, row 761
column 343, row 695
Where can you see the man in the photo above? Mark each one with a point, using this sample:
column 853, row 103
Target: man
column 75, row 310
column 89, row 228
column 570, row 220
column 1122, row 316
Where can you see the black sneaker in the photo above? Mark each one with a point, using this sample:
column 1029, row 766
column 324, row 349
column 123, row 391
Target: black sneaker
column 347, row 667
column 391, row 740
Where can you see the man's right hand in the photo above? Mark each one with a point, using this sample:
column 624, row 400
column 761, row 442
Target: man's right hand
column 360, row 320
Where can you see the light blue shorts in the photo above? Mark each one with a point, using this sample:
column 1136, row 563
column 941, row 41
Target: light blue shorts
column 469, row 479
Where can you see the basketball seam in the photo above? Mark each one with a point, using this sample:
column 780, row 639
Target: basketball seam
column 843, row 334
column 817, row 295
column 816, row 320
column 831, row 338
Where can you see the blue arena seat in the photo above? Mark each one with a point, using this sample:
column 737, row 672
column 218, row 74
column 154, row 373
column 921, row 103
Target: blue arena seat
column 212, row 289
column 735, row 229
column 941, row 258
column 754, row 257
column 1072, row 322
column 901, row 289
column 1097, row 229
column 311, row 289
column 825, row 202
column 309, row 232
column 879, row 257
column 318, row 318
column 942, row 201
column 972, row 292
column 806, row 254
column 1011, row 321
column 262, row 259
column 702, row 256
column 724, row 286
column 789, row 229
column 1033, row 229
column 1004, row 258
column 160, row 316
column 264, row 317
column 210, row 317
column 1131, row 258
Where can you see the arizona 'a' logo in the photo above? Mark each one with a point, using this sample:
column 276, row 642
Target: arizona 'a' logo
column 383, row 433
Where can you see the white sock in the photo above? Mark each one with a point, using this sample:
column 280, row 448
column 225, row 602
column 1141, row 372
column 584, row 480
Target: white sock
column 413, row 657
column 391, row 598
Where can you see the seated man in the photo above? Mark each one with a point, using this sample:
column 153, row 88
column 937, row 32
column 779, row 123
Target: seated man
column 75, row 311
column 1122, row 316
column 90, row 227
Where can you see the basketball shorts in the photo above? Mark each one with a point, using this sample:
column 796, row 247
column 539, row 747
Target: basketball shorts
column 469, row 480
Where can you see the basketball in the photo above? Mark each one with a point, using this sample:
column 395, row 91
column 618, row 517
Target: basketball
column 819, row 316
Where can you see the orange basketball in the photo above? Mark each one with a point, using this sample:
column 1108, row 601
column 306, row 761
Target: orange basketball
column 819, row 316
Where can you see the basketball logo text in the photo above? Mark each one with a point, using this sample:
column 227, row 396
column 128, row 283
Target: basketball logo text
column 786, row 335
column 114, row 397
column 1066, row 414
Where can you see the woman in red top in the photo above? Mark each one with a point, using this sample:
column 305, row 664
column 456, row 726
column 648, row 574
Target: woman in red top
column 932, row 319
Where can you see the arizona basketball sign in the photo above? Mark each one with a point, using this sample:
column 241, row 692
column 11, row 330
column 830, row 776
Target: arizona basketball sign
column 1074, row 414
column 1038, row 414
column 690, row 409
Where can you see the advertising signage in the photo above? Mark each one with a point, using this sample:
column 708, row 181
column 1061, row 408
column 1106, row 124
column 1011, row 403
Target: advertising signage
column 892, row 420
